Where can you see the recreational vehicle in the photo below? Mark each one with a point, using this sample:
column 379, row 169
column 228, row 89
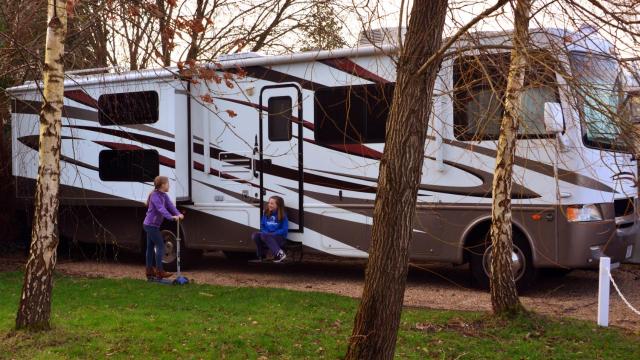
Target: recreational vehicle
column 310, row 127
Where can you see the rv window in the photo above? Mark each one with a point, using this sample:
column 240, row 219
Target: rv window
column 128, row 108
column 352, row 114
column 480, row 83
column 280, row 116
column 128, row 165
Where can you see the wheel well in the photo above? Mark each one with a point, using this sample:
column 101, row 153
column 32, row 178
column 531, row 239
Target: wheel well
column 481, row 229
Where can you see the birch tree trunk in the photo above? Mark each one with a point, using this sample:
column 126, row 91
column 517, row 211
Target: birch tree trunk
column 35, row 303
column 504, row 295
column 376, row 323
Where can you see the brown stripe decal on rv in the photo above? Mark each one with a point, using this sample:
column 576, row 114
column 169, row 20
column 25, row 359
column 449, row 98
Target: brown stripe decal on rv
column 32, row 141
column 287, row 173
column 348, row 66
column 350, row 149
column 145, row 139
column 539, row 167
column 33, row 108
column 75, row 195
column 261, row 72
column 119, row 146
column 484, row 190
column 307, row 124
column 81, row 97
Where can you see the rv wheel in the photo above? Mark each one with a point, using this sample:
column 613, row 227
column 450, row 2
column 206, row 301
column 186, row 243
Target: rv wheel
column 169, row 259
column 522, row 265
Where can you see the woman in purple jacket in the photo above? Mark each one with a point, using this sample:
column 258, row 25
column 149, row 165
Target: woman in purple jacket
column 160, row 207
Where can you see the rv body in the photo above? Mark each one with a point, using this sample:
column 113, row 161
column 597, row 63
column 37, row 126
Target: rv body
column 229, row 143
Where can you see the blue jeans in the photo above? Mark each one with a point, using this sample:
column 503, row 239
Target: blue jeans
column 273, row 242
column 154, row 240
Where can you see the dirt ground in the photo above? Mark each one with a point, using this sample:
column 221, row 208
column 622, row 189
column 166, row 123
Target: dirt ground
column 432, row 286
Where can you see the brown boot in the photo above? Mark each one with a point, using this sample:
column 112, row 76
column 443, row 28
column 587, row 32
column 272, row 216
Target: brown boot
column 161, row 274
column 151, row 272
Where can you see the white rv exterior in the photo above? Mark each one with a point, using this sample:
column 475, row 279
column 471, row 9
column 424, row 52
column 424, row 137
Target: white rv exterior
column 228, row 147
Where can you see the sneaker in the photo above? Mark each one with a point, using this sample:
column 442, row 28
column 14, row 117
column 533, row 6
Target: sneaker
column 279, row 257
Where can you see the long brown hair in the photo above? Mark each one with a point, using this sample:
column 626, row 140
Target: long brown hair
column 280, row 203
column 157, row 184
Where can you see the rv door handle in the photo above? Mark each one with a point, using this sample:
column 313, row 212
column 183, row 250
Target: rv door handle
column 255, row 145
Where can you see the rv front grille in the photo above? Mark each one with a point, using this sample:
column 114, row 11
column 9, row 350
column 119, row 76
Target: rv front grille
column 624, row 207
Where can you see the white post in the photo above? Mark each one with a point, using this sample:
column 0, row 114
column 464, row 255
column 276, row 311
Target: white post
column 603, row 292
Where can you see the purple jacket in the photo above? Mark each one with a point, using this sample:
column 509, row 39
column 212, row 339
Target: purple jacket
column 160, row 208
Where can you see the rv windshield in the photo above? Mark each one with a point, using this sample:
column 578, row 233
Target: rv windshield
column 595, row 79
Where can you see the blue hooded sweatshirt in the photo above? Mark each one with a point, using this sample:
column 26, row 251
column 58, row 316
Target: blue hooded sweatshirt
column 270, row 224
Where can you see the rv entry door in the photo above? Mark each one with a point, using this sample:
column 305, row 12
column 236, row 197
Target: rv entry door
column 280, row 145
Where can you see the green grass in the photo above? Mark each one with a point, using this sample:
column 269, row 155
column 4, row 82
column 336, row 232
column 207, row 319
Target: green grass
column 105, row 318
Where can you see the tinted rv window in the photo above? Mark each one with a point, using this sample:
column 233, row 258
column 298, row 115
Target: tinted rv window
column 128, row 165
column 479, row 94
column 128, row 108
column 352, row 114
column 280, row 113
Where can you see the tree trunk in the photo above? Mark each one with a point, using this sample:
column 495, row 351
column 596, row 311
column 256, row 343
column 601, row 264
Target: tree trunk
column 166, row 32
column 376, row 323
column 504, row 296
column 35, row 303
column 196, row 36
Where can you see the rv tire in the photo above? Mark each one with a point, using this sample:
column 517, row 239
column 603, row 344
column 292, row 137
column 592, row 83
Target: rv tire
column 188, row 257
column 525, row 272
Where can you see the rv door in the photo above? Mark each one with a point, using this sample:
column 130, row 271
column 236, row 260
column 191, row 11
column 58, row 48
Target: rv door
column 280, row 150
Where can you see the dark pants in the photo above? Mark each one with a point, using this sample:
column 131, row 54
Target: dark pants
column 154, row 240
column 262, row 240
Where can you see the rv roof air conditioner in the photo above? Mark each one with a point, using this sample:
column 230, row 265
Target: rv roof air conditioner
column 96, row 71
column 382, row 36
column 239, row 56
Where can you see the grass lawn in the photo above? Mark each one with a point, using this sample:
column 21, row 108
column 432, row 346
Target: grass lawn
column 105, row 318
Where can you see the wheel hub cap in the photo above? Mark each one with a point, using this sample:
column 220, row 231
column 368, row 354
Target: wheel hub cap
column 518, row 262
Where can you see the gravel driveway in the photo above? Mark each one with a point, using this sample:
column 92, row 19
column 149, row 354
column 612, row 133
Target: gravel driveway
column 431, row 286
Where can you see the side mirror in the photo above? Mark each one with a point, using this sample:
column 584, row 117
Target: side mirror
column 553, row 120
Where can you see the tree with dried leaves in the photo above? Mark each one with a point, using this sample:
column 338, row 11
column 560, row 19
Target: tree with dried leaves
column 376, row 323
column 34, row 311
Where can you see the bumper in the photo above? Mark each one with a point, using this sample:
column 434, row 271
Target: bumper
column 622, row 249
column 581, row 244
column 632, row 237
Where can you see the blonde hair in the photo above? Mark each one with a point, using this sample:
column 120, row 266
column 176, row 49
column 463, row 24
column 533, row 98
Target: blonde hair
column 280, row 203
column 157, row 184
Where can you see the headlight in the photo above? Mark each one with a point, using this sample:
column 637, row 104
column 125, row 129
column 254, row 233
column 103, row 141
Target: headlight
column 579, row 213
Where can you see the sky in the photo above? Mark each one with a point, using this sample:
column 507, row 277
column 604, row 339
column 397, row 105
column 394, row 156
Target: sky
column 549, row 13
